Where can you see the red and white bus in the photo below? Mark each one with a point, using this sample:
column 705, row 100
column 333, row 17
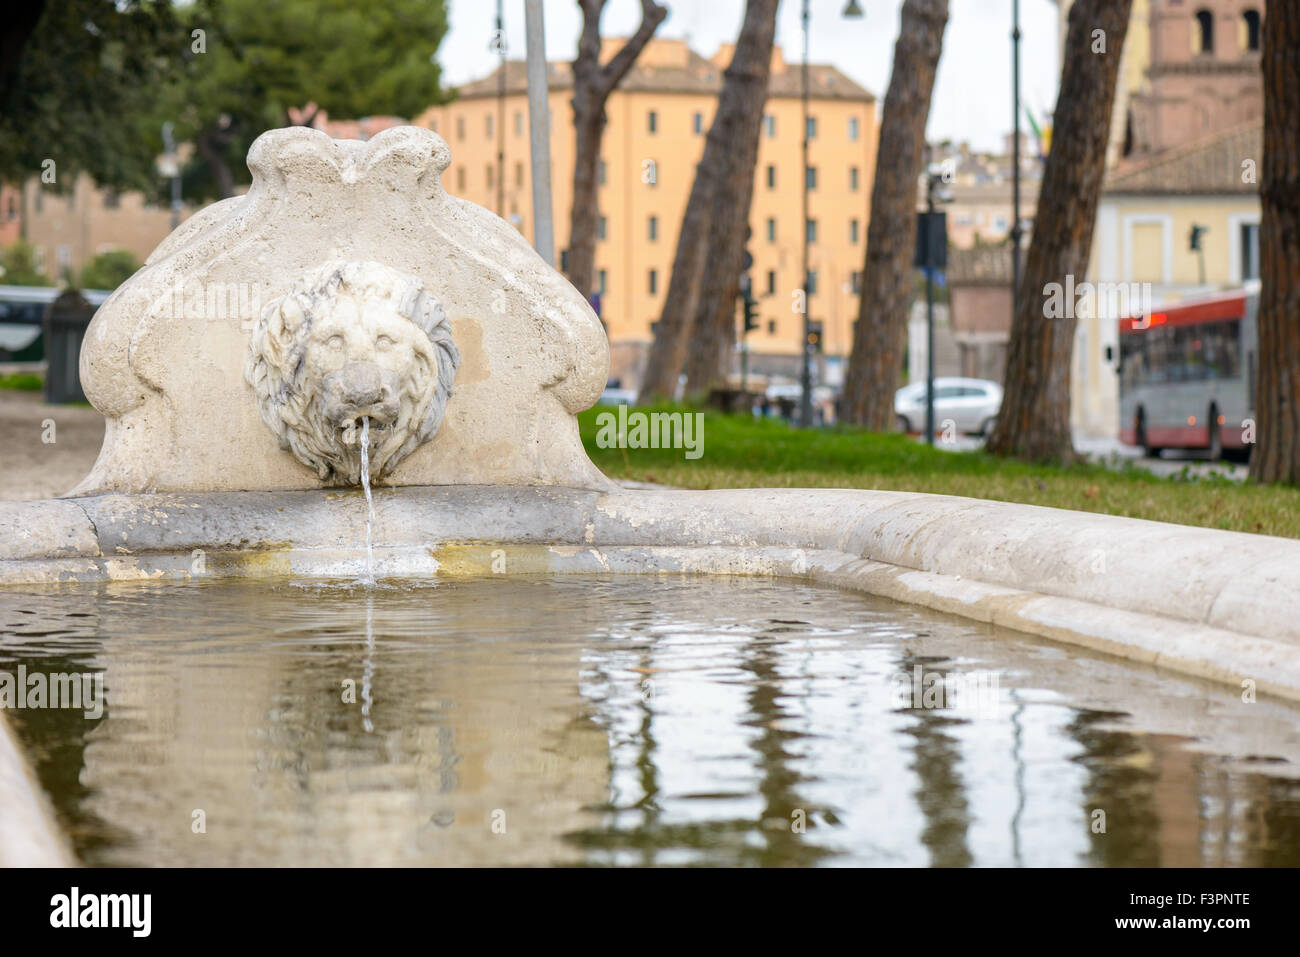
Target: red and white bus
column 1187, row 375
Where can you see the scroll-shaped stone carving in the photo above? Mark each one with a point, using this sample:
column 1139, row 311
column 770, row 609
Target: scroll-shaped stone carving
column 165, row 357
column 353, row 341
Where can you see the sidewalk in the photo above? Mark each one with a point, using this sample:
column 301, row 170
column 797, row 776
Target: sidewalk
column 31, row 468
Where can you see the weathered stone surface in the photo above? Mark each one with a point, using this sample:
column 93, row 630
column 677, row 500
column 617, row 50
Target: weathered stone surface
column 165, row 357
column 1201, row 601
column 45, row 529
column 29, row 837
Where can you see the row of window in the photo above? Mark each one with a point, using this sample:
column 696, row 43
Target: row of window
column 854, row 130
column 650, row 176
column 1248, row 31
column 653, row 286
column 652, row 229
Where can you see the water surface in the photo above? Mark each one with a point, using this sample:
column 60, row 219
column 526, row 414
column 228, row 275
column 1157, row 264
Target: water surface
column 629, row 721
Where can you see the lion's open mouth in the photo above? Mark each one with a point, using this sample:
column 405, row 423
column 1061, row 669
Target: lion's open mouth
column 350, row 430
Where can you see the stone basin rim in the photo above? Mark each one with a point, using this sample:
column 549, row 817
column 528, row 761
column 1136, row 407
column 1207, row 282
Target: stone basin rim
column 1221, row 605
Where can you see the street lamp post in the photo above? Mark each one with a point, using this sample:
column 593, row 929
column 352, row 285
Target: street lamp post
column 852, row 11
column 500, row 42
column 539, row 131
column 805, row 376
column 174, row 168
column 1015, row 153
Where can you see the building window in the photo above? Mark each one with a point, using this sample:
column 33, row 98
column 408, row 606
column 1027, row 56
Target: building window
column 771, row 230
column 812, row 231
column 853, row 231
column 652, row 228
column 652, row 122
column 112, row 199
column 460, row 127
column 771, row 327
column 601, row 279
column 810, row 177
column 1250, row 20
column 652, row 283
column 771, row 282
column 519, row 122
column 490, row 176
column 519, row 175
column 460, row 178
column 1249, row 251
column 600, row 172
column 856, row 282
column 600, row 227
column 1203, row 35
column 771, row 176
column 853, row 127
column 853, row 178
column 769, row 125
column 812, row 282
column 63, row 258
column 650, row 172
column 489, row 126
column 810, row 130
column 697, row 122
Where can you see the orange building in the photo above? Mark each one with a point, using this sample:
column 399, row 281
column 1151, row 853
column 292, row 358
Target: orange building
column 658, row 120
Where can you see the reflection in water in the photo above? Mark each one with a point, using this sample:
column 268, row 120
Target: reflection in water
column 624, row 721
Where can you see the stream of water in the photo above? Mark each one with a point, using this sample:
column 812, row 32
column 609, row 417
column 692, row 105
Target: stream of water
column 370, row 502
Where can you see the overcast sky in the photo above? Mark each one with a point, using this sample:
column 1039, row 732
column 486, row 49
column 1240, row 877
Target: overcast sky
column 972, row 100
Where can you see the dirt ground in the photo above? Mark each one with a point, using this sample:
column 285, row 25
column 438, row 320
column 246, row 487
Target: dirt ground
column 31, row 467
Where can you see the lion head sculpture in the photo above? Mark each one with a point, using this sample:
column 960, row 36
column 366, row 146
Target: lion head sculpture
column 353, row 344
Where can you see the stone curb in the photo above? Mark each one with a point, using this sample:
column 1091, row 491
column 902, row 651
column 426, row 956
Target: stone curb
column 29, row 836
column 1217, row 604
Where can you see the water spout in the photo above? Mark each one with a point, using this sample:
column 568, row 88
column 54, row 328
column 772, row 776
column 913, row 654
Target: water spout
column 370, row 502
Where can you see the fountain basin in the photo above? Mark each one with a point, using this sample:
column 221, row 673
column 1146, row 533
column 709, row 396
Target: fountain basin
column 1216, row 604
column 611, row 720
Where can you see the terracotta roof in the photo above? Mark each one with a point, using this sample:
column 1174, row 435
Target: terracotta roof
column 698, row 76
column 1211, row 165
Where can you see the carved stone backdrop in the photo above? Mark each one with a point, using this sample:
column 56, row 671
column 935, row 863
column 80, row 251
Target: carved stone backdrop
column 166, row 356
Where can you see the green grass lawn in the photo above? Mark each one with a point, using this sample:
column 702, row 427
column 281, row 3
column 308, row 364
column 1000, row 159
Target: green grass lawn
column 22, row 382
column 743, row 452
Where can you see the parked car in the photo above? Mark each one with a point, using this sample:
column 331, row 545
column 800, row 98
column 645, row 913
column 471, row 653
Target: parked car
column 613, row 395
column 971, row 404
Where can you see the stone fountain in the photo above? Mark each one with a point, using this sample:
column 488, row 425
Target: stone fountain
column 348, row 296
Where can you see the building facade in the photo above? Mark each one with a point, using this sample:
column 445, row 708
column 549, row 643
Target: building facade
column 658, row 119
column 70, row 229
column 1195, row 144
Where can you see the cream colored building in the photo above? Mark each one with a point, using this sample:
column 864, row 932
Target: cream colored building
column 658, row 120
column 1194, row 145
column 70, row 229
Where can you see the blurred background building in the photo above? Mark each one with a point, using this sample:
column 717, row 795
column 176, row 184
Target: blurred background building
column 658, row 120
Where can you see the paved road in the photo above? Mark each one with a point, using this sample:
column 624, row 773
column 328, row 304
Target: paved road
column 1111, row 452
column 31, row 466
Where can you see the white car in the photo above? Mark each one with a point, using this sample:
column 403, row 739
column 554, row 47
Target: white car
column 971, row 404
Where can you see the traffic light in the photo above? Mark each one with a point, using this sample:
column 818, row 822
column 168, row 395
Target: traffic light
column 814, row 335
column 751, row 312
column 1194, row 240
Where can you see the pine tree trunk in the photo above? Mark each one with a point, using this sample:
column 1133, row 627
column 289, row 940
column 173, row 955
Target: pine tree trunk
column 1034, row 422
column 881, row 330
column 672, row 332
column 592, row 85
column 740, row 107
column 1277, row 401
column 715, row 312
